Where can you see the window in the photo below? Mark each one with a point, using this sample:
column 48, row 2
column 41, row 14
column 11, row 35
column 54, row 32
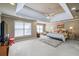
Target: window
column 27, row 28
column 40, row 28
column 22, row 28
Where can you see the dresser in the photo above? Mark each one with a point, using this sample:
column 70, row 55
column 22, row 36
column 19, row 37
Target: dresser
column 4, row 50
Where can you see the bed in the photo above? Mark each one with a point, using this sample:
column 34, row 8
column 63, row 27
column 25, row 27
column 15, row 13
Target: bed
column 56, row 36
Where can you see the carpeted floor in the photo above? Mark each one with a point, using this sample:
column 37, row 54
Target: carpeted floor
column 35, row 47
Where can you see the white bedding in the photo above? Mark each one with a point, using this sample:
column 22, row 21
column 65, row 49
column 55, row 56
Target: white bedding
column 57, row 35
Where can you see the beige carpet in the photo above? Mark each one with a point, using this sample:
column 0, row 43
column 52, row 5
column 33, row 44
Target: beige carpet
column 35, row 47
column 51, row 42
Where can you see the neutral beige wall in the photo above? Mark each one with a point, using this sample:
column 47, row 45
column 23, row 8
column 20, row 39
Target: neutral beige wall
column 34, row 23
column 74, row 24
column 9, row 26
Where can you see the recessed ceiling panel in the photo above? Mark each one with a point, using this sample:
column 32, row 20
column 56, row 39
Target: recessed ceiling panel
column 46, row 8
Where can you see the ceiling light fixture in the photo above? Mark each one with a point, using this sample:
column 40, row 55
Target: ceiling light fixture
column 12, row 3
column 73, row 8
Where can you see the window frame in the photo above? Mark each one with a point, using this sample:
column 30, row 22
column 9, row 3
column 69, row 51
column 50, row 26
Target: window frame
column 39, row 30
column 23, row 28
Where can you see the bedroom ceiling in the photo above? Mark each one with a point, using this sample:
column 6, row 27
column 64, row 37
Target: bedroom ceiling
column 50, row 9
column 39, row 11
column 7, row 8
column 48, row 12
column 74, row 8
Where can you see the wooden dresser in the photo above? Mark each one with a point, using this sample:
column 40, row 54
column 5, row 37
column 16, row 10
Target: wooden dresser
column 4, row 50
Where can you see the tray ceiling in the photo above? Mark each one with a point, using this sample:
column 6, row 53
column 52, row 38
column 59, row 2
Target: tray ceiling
column 46, row 8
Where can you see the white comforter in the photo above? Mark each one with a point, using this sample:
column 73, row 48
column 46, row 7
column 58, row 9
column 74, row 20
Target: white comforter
column 57, row 35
